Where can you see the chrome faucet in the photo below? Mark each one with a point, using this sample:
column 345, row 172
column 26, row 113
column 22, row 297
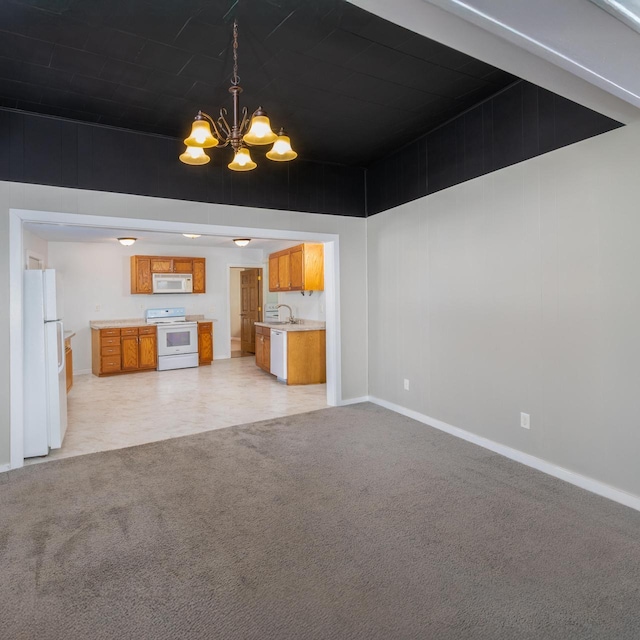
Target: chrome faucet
column 291, row 319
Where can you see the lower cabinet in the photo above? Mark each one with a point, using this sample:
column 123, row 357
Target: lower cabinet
column 68, row 355
column 306, row 357
column 263, row 348
column 123, row 350
column 205, row 342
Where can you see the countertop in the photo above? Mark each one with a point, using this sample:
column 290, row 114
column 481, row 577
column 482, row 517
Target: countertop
column 303, row 325
column 69, row 334
column 136, row 322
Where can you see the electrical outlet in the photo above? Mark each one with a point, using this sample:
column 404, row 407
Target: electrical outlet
column 406, row 384
column 525, row 421
column 97, row 307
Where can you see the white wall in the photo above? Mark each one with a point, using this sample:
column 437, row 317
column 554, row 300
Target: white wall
column 37, row 246
column 98, row 275
column 307, row 307
column 520, row 292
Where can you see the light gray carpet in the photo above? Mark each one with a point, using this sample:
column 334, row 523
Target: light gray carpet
column 348, row 523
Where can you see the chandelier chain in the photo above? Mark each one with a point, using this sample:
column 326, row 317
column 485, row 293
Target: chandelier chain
column 235, row 80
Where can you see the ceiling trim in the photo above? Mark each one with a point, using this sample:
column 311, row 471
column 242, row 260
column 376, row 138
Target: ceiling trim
column 587, row 19
column 447, row 22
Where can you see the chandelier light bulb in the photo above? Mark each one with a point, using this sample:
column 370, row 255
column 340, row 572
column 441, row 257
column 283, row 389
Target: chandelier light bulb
column 281, row 150
column 201, row 135
column 242, row 161
column 260, row 131
column 194, row 156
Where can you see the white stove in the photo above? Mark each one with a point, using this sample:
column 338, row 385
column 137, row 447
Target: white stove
column 177, row 338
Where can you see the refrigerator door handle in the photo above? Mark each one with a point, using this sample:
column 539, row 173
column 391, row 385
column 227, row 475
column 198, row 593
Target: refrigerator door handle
column 60, row 345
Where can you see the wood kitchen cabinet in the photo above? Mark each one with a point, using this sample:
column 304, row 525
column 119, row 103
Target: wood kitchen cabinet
column 205, row 342
column 274, row 282
column 199, row 275
column 123, row 350
column 143, row 268
column 263, row 348
column 161, row 264
column 299, row 268
column 306, row 357
column 68, row 356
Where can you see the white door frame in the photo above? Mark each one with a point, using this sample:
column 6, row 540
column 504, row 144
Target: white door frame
column 17, row 217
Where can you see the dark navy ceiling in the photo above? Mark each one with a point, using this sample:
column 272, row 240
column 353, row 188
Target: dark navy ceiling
column 348, row 86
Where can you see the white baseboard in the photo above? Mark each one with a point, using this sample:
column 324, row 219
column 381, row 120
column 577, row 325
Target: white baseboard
column 5, row 467
column 344, row 403
column 81, row 372
column 584, row 482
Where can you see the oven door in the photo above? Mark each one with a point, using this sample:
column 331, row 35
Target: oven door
column 177, row 338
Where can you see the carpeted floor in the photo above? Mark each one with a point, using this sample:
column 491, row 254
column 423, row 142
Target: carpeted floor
column 345, row 523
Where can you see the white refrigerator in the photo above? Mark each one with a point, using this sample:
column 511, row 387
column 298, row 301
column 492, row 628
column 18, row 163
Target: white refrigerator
column 45, row 388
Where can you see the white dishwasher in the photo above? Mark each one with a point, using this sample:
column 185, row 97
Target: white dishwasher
column 279, row 354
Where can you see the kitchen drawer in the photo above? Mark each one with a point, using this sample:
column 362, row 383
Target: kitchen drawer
column 205, row 327
column 129, row 331
column 110, row 342
column 109, row 332
column 110, row 351
column 145, row 331
column 110, row 363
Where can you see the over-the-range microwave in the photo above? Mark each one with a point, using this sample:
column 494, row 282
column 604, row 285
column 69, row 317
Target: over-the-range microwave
column 172, row 283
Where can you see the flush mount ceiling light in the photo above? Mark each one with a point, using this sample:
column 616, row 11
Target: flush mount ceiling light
column 242, row 242
column 192, row 235
column 127, row 242
column 240, row 135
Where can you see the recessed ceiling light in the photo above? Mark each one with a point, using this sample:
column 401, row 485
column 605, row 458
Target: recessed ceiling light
column 127, row 242
column 242, row 242
column 192, row 235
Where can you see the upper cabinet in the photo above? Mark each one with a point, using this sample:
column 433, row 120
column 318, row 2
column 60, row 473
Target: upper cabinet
column 299, row 268
column 142, row 268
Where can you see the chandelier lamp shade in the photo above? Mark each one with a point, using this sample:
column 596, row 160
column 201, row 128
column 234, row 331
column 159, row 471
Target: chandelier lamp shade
column 242, row 133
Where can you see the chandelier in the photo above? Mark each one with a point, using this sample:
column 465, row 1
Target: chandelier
column 241, row 134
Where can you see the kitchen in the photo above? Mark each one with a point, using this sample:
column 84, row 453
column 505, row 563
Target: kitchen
column 153, row 405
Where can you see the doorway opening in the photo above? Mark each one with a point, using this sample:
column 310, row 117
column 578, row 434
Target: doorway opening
column 245, row 309
column 107, row 225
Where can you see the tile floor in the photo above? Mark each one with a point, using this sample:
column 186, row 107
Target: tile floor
column 236, row 352
column 122, row 411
